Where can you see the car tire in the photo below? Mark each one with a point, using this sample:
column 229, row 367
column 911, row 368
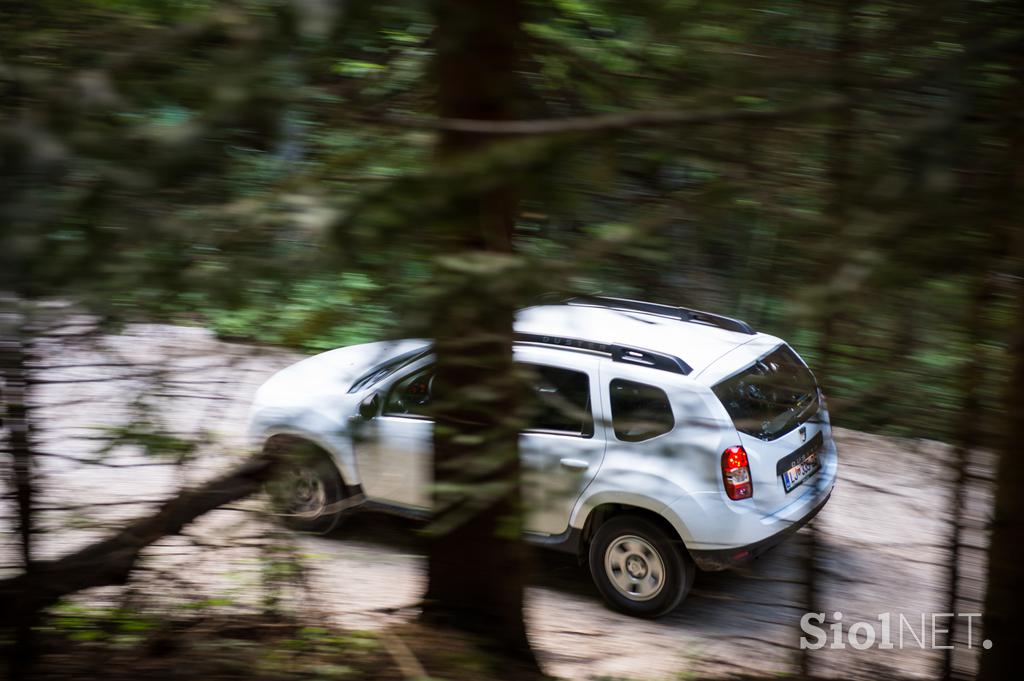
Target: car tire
column 638, row 567
column 306, row 488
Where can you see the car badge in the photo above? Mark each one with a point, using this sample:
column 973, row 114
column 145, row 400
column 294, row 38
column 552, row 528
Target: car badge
column 803, row 433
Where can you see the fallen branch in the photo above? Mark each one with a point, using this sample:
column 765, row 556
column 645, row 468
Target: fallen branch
column 403, row 656
column 612, row 121
column 110, row 561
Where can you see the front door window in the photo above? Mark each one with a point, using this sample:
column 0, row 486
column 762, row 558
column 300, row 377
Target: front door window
column 411, row 395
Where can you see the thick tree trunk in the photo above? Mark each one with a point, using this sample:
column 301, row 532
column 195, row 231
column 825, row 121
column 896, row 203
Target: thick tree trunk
column 1004, row 602
column 476, row 559
column 1004, row 599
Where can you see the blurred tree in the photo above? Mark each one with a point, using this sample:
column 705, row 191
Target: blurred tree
column 1002, row 624
column 475, row 536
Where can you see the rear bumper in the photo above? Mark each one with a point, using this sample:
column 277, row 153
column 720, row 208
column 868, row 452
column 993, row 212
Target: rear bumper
column 722, row 559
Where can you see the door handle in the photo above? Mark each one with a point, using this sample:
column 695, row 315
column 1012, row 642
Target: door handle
column 575, row 464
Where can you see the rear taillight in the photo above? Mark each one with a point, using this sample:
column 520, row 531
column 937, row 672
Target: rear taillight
column 736, row 474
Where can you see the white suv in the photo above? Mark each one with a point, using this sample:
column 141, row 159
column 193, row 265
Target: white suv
column 666, row 438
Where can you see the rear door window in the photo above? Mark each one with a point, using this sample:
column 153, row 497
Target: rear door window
column 772, row 396
column 639, row 411
column 561, row 401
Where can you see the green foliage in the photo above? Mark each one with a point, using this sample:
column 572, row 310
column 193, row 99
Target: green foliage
column 152, row 439
column 222, row 163
column 115, row 625
column 319, row 313
column 214, row 640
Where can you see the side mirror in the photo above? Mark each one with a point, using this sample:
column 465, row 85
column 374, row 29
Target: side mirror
column 369, row 407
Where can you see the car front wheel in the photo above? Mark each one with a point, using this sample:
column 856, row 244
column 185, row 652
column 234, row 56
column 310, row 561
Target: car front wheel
column 308, row 492
column 638, row 568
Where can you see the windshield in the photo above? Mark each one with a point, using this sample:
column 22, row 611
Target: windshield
column 770, row 397
column 381, row 371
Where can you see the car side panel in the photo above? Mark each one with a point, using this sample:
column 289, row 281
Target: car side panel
column 557, row 468
column 393, row 452
column 654, row 473
column 395, row 458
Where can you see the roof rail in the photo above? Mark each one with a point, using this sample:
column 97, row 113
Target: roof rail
column 672, row 311
column 618, row 353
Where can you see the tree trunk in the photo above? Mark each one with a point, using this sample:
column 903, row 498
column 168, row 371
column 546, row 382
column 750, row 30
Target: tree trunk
column 1002, row 623
column 17, row 427
column 476, row 558
column 971, row 380
column 1004, row 600
column 840, row 142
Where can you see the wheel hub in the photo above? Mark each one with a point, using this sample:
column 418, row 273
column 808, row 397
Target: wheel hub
column 635, row 568
column 301, row 493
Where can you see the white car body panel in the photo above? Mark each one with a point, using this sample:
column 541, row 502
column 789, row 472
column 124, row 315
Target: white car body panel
column 697, row 344
column 393, row 459
column 553, row 478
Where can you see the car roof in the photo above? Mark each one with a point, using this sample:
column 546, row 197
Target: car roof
column 696, row 343
column 709, row 352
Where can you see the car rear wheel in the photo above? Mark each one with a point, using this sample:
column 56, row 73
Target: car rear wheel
column 308, row 491
column 638, row 568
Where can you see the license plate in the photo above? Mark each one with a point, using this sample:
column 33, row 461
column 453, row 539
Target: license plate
column 792, row 478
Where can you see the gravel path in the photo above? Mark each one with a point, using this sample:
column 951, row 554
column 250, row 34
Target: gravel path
column 884, row 532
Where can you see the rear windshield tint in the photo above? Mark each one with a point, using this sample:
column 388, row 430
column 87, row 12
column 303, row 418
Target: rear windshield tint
column 772, row 396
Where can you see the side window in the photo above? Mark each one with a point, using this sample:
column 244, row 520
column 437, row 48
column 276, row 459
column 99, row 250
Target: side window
column 561, row 401
column 411, row 395
column 639, row 411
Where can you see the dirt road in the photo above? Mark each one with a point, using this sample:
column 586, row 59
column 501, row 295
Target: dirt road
column 884, row 532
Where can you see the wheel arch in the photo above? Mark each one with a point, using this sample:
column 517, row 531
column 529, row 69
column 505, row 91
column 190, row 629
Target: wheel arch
column 285, row 436
column 652, row 511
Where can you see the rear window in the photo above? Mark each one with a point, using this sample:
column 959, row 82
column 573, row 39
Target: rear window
column 770, row 397
column 639, row 411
